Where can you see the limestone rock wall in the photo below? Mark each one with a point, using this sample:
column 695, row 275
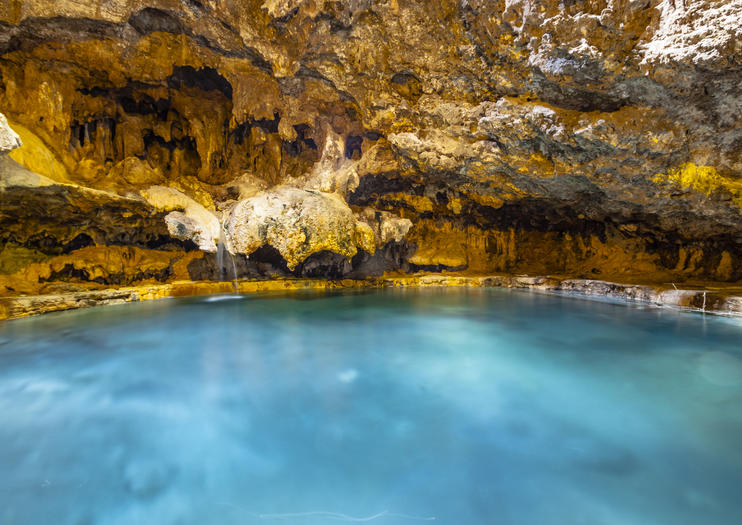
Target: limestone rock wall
column 586, row 138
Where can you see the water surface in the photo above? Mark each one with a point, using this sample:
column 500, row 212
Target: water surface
column 391, row 407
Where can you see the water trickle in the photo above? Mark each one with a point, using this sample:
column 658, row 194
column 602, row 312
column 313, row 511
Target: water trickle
column 223, row 253
column 220, row 249
column 234, row 267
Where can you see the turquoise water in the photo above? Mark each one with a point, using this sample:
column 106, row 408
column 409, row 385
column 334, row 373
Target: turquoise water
column 391, row 407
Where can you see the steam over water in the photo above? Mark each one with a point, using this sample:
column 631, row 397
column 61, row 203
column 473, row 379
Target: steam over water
column 391, row 407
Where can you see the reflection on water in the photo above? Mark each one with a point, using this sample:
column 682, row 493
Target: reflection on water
column 467, row 407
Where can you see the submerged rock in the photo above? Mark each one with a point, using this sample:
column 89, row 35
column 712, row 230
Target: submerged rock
column 147, row 479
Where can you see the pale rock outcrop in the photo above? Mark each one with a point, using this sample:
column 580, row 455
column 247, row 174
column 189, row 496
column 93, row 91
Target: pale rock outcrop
column 386, row 226
column 136, row 172
column 333, row 173
column 13, row 175
column 297, row 223
column 696, row 32
column 9, row 139
column 246, row 186
column 187, row 220
column 282, row 8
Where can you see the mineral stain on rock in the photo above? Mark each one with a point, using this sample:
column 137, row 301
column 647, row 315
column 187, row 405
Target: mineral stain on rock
column 340, row 139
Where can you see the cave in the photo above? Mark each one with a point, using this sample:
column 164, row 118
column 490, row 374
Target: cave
column 473, row 262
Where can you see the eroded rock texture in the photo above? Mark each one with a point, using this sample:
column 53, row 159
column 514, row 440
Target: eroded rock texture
column 349, row 138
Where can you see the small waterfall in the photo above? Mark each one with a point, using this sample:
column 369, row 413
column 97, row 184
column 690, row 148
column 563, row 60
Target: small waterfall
column 234, row 269
column 221, row 252
column 220, row 249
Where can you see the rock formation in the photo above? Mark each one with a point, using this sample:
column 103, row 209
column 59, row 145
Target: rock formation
column 9, row 139
column 587, row 138
column 297, row 223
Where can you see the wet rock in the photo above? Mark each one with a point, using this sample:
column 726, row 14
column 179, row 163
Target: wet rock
column 394, row 256
column 229, row 267
column 325, row 264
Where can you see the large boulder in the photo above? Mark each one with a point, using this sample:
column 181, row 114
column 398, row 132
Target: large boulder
column 297, row 223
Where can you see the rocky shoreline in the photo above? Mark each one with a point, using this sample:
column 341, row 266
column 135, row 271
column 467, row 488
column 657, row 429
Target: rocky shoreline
column 720, row 301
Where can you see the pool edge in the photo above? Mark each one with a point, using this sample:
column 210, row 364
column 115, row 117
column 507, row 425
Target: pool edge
column 715, row 301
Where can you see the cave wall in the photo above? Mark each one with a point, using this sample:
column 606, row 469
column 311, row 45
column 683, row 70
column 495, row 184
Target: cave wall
column 587, row 138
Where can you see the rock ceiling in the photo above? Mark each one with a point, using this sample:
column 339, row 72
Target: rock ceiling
column 600, row 139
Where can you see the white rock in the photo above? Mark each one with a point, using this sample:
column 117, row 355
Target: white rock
column 188, row 219
column 9, row 139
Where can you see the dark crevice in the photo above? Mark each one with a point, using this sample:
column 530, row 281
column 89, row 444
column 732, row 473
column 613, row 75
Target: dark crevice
column 205, row 79
column 373, row 135
column 168, row 243
column 407, row 85
column 325, row 264
column 82, row 133
column 70, row 273
column 331, row 17
column 132, row 100
column 143, row 104
column 266, row 262
column 279, row 23
column 404, row 77
column 242, row 131
column 373, row 186
column 184, row 143
column 532, row 215
column 67, row 273
column 307, row 72
column 81, row 241
column 269, row 126
column 393, row 256
column 302, row 143
column 268, row 259
column 577, row 99
column 436, row 268
column 195, row 5
column 353, row 147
